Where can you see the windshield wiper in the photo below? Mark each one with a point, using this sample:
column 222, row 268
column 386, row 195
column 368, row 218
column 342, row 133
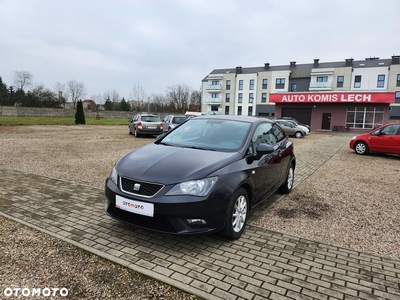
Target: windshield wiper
column 199, row 148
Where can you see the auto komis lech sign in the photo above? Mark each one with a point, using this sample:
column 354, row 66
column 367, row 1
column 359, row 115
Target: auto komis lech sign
column 386, row 97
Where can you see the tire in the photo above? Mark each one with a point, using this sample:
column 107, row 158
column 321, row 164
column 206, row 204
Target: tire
column 236, row 215
column 361, row 148
column 298, row 135
column 287, row 186
column 136, row 134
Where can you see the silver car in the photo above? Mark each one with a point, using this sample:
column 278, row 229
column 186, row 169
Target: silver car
column 171, row 121
column 145, row 124
column 291, row 129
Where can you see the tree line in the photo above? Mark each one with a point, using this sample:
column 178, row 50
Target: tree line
column 178, row 98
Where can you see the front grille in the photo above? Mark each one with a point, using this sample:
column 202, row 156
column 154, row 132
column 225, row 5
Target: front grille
column 140, row 188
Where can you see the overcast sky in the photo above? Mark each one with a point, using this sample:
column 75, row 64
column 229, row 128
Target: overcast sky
column 111, row 45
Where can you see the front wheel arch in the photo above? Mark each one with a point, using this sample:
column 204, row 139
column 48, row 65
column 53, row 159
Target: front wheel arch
column 361, row 148
column 237, row 215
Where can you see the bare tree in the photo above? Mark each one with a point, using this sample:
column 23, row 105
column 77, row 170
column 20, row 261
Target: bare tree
column 76, row 90
column 62, row 92
column 195, row 98
column 22, row 79
column 178, row 96
column 138, row 92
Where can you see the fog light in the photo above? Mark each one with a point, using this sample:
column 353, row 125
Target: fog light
column 196, row 221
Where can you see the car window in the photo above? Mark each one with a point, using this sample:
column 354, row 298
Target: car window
column 150, row 119
column 179, row 120
column 262, row 134
column 390, row 130
column 278, row 133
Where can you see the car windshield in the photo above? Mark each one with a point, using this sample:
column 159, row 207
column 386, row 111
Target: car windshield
column 209, row 134
column 150, row 119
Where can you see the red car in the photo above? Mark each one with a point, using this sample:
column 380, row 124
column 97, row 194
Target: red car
column 385, row 139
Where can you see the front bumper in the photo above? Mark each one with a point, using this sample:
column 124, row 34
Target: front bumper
column 171, row 212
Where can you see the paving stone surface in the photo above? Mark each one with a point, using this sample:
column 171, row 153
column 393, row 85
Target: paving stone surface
column 261, row 265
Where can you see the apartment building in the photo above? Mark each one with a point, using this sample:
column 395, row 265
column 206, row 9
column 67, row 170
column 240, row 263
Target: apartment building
column 345, row 95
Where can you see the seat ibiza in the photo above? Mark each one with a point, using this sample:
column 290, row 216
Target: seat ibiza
column 202, row 177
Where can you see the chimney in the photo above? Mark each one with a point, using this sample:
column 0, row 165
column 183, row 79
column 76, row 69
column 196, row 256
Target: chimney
column 349, row 62
column 266, row 66
column 239, row 70
column 316, row 62
column 395, row 60
column 292, row 64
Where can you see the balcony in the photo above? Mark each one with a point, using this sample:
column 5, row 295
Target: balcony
column 214, row 87
column 213, row 100
column 327, row 85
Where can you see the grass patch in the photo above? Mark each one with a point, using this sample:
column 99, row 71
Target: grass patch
column 12, row 121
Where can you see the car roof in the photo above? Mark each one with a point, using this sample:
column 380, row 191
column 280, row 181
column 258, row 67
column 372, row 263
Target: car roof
column 249, row 119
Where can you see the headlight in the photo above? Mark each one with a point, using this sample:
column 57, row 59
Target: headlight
column 199, row 187
column 114, row 175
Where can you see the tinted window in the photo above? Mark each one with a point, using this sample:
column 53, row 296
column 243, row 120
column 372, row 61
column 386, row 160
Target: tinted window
column 150, row 119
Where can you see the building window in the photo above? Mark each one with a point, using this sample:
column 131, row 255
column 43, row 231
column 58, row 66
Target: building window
column 280, row 83
column 240, row 84
column 364, row 117
column 227, row 97
column 240, row 98
column 227, row 110
column 264, row 98
column 357, row 81
column 293, row 87
column 397, row 97
column 251, row 86
column 250, row 111
column 214, row 95
column 322, row 79
column 251, row 97
column 239, row 111
column 398, row 80
column 381, row 81
column 215, row 82
column 340, row 80
column 265, row 83
column 228, row 85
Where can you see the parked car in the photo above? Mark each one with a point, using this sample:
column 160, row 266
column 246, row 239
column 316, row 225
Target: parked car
column 171, row 121
column 142, row 124
column 296, row 121
column 291, row 129
column 202, row 177
column 304, row 128
column 384, row 139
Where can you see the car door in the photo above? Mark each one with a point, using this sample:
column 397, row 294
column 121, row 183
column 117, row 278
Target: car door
column 166, row 122
column 384, row 140
column 289, row 130
column 397, row 141
column 265, row 170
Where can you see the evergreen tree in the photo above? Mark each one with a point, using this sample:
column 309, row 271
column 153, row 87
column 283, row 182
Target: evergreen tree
column 124, row 106
column 80, row 115
column 108, row 105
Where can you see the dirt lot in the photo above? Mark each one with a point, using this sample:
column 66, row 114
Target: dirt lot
column 351, row 201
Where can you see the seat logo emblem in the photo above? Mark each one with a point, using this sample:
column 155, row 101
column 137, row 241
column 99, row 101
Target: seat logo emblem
column 136, row 187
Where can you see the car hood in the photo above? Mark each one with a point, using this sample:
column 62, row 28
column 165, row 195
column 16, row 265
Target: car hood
column 170, row 165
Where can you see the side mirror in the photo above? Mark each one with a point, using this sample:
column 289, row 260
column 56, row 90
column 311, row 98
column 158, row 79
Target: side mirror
column 263, row 149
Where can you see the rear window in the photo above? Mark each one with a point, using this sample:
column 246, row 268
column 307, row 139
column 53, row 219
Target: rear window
column 179, row 120
column 150, row 119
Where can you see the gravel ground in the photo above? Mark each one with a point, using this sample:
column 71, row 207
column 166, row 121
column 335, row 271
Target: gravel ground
column 351, row 201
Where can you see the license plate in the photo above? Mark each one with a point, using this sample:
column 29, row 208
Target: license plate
column 133, row 206
column 152, row 127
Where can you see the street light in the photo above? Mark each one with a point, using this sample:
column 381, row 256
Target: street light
column 148, row 105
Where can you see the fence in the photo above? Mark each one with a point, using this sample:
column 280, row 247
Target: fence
column 16, row 111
